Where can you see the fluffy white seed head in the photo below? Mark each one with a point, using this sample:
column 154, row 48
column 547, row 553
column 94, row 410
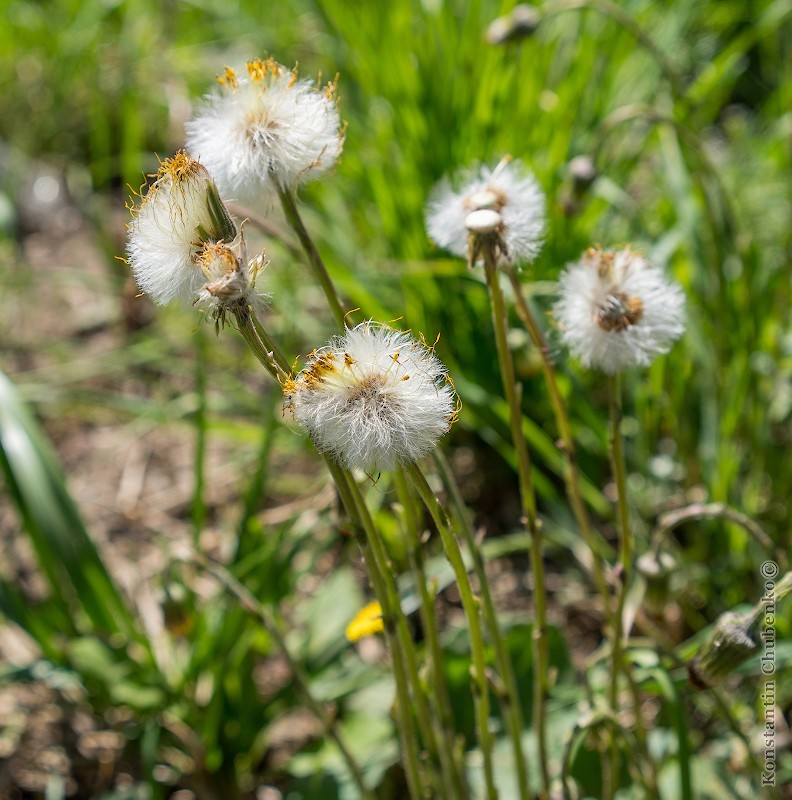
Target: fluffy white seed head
column 616, row 311
column 373, row 398
column 266, row 130
column 180, row 212
column 509, row 189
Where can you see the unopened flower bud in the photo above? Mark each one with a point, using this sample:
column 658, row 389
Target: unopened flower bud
column 729, row 644
column 656, row 569
column 582, row 173
column 519, row 24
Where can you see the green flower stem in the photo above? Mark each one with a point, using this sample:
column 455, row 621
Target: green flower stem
column 271, row 347
column 510, row 696
column 697, row 511
column 265, row 351
column 252, row 333
column 300, row 680
column 315, row 262
column 641, row 737
column 402, row 648
column 571, row 472
column 472, row 612
column 198, row 510
column 625, row 552
column 453, row 772
column 393, row 621
column 528, row 498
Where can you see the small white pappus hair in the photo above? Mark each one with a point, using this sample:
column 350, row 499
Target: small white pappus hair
column 180, row 212
column 509, row 189
column 616, row 311
column 373, row 398
column 266, row 131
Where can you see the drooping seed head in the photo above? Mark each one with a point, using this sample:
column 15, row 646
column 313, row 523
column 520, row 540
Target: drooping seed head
column 510, row 190
column 179, row 214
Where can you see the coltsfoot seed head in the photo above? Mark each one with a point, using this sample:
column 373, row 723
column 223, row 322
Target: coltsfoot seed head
column 230, row 280
column 616, row 311
column 179, row 214
column 509, row 189
column 373, row 398
column 266, row 130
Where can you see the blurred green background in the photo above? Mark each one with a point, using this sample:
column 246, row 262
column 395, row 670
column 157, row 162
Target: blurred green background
column 685, row 110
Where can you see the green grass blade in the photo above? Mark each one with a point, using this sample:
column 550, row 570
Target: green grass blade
column 66, row 554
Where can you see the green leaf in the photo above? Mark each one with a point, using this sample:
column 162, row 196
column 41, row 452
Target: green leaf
column 66, row 554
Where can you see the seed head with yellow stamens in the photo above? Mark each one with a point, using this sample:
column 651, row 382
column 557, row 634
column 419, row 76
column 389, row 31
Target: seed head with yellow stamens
column 617, row 311
column 373, row 398
column 179, row 214
column 264, row 129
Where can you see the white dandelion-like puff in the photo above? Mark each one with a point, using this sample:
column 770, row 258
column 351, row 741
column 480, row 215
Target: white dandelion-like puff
column 509, row 189
column 180, row 212
column 373, row 398
column 617, row 311
column 266, row 131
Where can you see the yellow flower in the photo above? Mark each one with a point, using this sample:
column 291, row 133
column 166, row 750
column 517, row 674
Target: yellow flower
column 367, row 622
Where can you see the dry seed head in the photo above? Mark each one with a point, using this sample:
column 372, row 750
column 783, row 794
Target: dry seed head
column 373, row 398
column 230, row 283
column 266, row 130
column 180, row 212
column 225, row 278
column 616, row 311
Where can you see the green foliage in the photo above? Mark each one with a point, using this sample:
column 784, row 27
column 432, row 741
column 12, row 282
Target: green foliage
column 695, row 170
column 77, row 577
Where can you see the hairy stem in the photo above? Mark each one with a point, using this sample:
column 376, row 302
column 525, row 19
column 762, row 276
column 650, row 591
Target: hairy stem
column 510, row 696
column 528, row 499
column 393, row 620
column 315, row 262
column 472, row 613
column 571, row 471
column 453, row 772
column 625, row 552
